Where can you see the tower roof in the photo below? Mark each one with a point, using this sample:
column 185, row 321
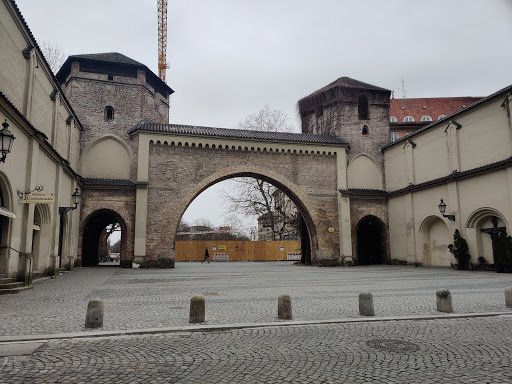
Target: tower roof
column 347, row 82
column 111, row 57
column 335, row 91
column 112, row 63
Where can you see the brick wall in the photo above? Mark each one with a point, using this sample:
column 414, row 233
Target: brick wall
column 121, row 203
column 177, row 173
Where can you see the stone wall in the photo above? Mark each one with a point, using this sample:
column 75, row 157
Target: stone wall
column 177, row 174
column 121, row 202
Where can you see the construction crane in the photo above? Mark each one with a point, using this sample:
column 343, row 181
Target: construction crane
column 162, row 38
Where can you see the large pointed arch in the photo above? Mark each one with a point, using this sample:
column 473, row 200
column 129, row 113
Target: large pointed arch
column 293, row 191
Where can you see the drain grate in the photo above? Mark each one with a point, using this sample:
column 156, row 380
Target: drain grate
column 393, row 345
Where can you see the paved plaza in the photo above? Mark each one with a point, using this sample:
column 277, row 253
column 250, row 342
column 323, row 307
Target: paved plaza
column 351, row 349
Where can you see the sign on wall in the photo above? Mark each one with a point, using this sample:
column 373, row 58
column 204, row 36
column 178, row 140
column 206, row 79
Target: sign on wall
column 221, row 247
column 38, row 196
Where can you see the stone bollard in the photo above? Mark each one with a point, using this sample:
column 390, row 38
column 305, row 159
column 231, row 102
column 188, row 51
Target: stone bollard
column 284, row 307
column 366, row 304
column 444, row 301
column 197, row 309
column 508, row 297
column 94, row 317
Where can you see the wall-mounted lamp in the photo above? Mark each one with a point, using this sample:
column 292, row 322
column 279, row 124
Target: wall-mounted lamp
column 6, row 140
column 76, row 200
column 442, row 209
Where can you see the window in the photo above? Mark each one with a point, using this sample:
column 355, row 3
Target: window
column 441, row 117
column 394, row 136
column 362, row 106
column 393, row 119
column 110, row 77
column 109, row 113
column 426, row 118
column 365, row 130
column 408, row 119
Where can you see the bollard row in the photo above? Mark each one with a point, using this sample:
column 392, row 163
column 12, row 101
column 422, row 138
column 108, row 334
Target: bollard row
column 95, row 308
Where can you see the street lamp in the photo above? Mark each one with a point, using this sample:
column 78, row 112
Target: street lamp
column 76, row 200
column 442, row 209
column 6, row 140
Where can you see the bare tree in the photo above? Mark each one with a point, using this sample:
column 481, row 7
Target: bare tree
column 269, row 120
column 255, row 197
column 103, row 240
column 53, row 54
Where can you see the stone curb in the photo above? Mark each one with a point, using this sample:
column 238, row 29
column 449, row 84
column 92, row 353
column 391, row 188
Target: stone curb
column 227, row 327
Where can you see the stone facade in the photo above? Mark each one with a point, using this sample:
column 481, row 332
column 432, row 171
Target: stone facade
column 178, row 173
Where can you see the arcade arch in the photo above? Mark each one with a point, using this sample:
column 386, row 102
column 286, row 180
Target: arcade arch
column 371, row 241
column 435, row 238
column 93, row 226
column 479, row 227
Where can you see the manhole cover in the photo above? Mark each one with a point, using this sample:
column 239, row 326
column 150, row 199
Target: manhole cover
column 393, row 345
column 211, row 294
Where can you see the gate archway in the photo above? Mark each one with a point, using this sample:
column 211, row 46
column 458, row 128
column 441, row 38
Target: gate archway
column 309, row 231
column 371, row 241
column 94, row 225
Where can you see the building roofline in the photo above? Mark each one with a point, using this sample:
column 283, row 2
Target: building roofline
column 54, row 78
column 449, row 117
column 190, row 130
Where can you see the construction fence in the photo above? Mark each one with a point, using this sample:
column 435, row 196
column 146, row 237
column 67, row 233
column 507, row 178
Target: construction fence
column 238, row 250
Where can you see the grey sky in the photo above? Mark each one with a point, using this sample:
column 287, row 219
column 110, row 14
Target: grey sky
column 228, row 58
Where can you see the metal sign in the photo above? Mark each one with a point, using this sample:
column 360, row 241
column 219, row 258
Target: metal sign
column 38, row 196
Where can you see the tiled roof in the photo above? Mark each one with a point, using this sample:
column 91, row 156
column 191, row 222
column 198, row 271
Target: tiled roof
column 236, row 133
column 451, row 116
column 435, row 107
column 110, row 182
column 347, row 82
column 111, row 57
column 364, row 192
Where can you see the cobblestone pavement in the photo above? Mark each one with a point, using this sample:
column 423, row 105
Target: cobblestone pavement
column 241, row 293
column 465, row 350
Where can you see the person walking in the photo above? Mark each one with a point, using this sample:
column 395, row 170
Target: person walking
column 206, row 256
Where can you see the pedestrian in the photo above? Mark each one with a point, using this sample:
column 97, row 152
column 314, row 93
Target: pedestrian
column 206, row 256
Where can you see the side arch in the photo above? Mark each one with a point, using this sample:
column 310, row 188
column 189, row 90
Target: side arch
column 480, row 243
column 299, row 198
column 435, row 237
column 481, row 213
column 364, row 173
column 107, row 149
column 371, row 245
column 5, row 222
column 92, row 226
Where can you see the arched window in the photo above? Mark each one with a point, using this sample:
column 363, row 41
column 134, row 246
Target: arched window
column 408, row 119
column 393, row 119
column 425, row 118
column 109, row 113
column 441, row 117
column 362, row 106
column 365, row 130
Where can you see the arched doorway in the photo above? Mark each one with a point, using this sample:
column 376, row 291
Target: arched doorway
column 94, row 225
column 371, row 241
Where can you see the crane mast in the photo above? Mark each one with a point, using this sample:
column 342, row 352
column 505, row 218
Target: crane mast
column 162, row 38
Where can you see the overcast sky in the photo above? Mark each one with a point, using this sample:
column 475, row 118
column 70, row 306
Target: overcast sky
column 229, row 58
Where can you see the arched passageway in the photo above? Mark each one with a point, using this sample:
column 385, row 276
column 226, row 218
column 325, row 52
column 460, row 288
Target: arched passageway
column 94, row 226
column 371, row 241
column 306, row 225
